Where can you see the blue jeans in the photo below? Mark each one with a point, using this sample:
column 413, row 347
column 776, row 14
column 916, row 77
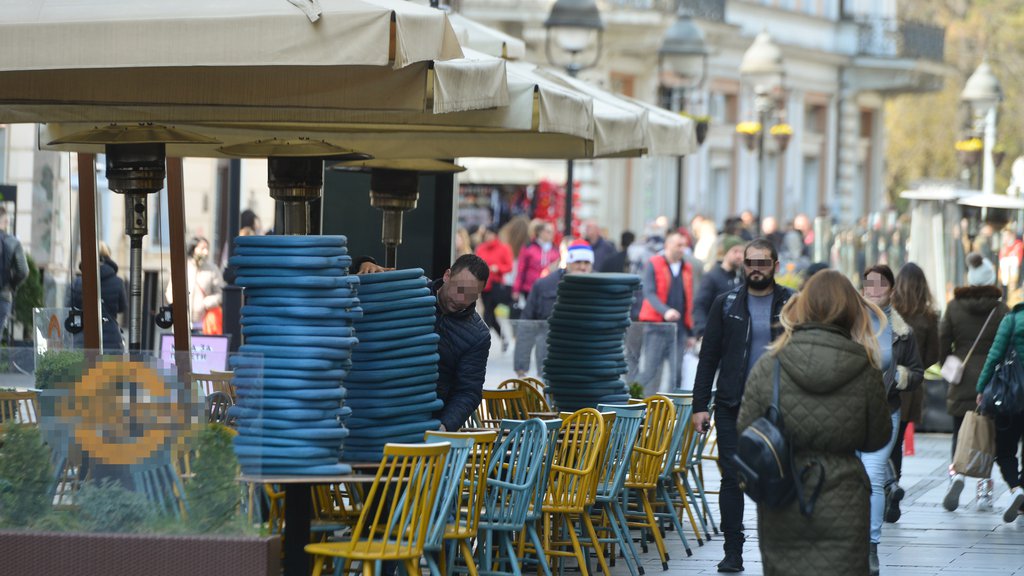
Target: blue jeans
column 876, row 464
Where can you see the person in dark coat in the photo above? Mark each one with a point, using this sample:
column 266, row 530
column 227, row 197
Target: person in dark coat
column 603, row 249
column 723, row 277
column 113, row 301
column 974, row 313
column 619, row 262
column 901, row 371
column 912, row 299
column 741, row 324
column 827, row 331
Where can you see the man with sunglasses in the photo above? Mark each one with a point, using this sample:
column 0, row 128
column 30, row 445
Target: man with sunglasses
column 741, row 323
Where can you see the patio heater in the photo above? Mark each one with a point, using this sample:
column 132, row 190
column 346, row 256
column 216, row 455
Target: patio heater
column 394, row 189
column 136, row 168
column 295, row 174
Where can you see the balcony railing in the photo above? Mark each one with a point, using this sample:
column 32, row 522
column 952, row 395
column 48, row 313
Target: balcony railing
column 703, row 9
column 890, row 38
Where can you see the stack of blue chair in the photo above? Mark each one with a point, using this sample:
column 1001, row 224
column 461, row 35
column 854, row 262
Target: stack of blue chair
column 585, row 360
column 300, row 303
column 392, row 386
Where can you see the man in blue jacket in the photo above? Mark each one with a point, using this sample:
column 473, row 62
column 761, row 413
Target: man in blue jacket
column 741, row 323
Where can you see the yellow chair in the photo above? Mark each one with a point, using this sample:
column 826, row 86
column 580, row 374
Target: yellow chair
column 335, row 507
column 646, row 464
column 21, row 406
column 498, row 405
column 572, row 485
column 393, row 523
column 536, row 403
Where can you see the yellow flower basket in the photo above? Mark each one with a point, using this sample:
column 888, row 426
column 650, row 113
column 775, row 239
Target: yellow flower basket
column 969, row 145
column 748, row 127
column 781, row 130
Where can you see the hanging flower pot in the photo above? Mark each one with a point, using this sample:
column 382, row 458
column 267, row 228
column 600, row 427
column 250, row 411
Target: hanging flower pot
column 750, row 132
column 702, row 131
column 997, row 156
column 968, row 151
column 782, row 134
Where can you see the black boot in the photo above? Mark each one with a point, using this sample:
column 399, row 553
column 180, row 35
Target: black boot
column 873, row 566
column 733, row 561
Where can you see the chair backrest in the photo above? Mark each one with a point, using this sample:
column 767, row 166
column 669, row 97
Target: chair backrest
column 535, row 400
column 571, row 483
column 161, row 484
column 397, row 510
column 513, row 473
column 337, row 502
column 682, row 434
column 217, row 405
column 652, row 443
column 21, row 406
column 551, row 428
column 449, row 490
column 465, row 517
column 498, row 405
column 214, row 382
column 619, row 451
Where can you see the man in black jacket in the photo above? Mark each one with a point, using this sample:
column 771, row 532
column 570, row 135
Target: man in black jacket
column 465, row 340
column 723, row 277
column 741, row 323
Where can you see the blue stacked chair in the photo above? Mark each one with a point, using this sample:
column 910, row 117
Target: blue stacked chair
column 585, row 360
column 300, row 303
column 392, row 385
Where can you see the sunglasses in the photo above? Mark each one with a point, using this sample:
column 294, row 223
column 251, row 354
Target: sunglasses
column 758, row 263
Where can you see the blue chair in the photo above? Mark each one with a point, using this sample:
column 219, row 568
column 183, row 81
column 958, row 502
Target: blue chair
column 161, row 484
column 512, row 476
column 617, row 456
column 683, row 404
column 676, row 479
column 535, row 514
column 448, row 501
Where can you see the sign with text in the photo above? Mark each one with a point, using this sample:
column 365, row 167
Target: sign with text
column 209, row 353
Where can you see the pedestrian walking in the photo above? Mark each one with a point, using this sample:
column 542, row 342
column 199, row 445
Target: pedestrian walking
column 1009, row 427
column 827, row 330
column 901, row 370
column 741, row 325
column 668, row 301
column 205, row 288
column 969, row 326
column 113, row 301
column 13, row 268
column 726, row 274
column 498, row 257
column 912, row 300
column 603, row 249
column 538, row 259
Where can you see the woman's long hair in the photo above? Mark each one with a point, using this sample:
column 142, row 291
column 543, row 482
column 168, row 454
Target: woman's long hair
column 829, row 298
column 911, row 297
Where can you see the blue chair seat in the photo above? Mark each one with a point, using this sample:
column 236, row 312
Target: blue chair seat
column 327, row 302
column 297, row 260
column 287, row 252
column 291, row 291
column 248, row 451
column 604, row 278
column 332, row 470
column 393, row 275
column 297, row 282
column 359, row 355
column 276, row 241
column 325, row 331
column 263, row 403
column 378, row 316
column 400, row 343
column 375, row 392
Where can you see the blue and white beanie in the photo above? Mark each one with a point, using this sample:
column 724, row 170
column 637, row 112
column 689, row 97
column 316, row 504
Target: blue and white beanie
column 580, row 251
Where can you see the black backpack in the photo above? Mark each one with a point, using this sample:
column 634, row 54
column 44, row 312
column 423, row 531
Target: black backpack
column 764, row 462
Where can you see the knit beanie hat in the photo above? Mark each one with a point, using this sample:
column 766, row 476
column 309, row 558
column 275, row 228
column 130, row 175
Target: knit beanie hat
column 730, row 241
column 580, row 251
column 984, row 274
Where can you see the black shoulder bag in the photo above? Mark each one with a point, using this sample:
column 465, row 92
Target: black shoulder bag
column 764, row 462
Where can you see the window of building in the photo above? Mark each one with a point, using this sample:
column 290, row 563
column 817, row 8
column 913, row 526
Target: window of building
column 815, row 118
column 809, row 188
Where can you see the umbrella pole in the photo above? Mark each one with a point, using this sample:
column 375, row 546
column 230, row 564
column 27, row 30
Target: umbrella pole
column 90, row 259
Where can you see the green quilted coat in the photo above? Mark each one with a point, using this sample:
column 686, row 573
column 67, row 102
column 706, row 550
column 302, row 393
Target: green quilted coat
column 833, row 404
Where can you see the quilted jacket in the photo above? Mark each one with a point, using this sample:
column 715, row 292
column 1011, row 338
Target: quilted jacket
column 1011, row 331
column 833, row 403
column 965, row 315
column 464, row 346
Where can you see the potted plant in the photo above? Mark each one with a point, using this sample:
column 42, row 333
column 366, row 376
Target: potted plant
column 998, row 154
column 750, row 132
column 968, row 151
column 701, row 125
column 782, row 133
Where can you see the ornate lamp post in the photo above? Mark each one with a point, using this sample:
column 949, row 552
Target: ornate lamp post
column 762, row 68
column 574, row 26
column 983, row 93
column 682, row 66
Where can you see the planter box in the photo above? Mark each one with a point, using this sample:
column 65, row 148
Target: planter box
column 84, row 554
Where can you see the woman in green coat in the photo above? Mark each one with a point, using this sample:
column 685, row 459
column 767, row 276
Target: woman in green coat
column 833, row 403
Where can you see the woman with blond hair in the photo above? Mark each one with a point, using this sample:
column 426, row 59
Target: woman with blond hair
column 833, row 405
column 538, row 259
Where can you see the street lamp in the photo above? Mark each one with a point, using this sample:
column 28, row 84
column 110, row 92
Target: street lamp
column 983, row 94
column 682, row 66
column 573, row 25
column 762, row 68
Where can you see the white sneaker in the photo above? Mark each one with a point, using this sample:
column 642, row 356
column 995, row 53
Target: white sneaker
column 984, row 494
column 952, row 500
column 985, row 503
column 1013, row 510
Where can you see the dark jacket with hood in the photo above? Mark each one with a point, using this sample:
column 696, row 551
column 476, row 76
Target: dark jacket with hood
column 114, row 300
column 725, row 349
column 904, row 353
column 716, row 281
column 962, row 322
column 464, row 346
column 833, row 403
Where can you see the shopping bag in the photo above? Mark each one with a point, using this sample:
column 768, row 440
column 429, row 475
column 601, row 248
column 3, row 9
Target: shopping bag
column 975, row 446
column 952, row 369
column 213, row 321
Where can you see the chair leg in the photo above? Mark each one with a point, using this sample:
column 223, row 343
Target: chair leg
column 510, row 550
column 432, row 565
column 690, row 502
column 708, row 515
column 655, row 531
column 596, row 542
column 368, row 569
column 411, row 567
column 662, row 492
column 620, row 539
column 542, row 560
column 467, row 553
column 620, row 518
column 581, row 556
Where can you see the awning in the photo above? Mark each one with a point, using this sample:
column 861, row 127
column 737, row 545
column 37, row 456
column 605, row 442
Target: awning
column 1000, row 201
column 510, row 171
column 239, row 60
column 482, row 38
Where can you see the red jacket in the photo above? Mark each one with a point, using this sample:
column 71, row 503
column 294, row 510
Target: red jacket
column 662, row 281
column 533, row 264
column 498, row 256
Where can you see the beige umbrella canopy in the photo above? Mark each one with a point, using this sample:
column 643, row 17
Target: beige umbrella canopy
column 234, row 60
